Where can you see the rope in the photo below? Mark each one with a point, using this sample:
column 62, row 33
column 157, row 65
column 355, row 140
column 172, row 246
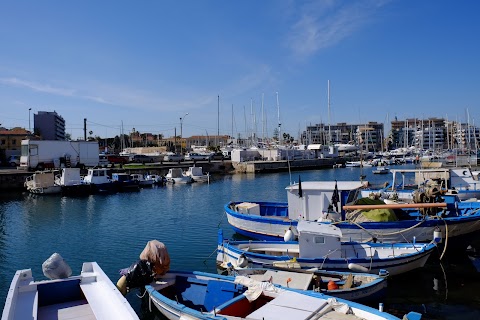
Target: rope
column 384, row 234
column 446, row 239
column 143, row 295
column 204, row 261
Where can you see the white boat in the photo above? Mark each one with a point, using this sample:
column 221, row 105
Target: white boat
column 353, row 286
column 176, row 175
column 142, row 181
column 318, row 201
column 99, row 181
column 459, row 181
column 200, row 295
column 381, row 170
column 72, row 183
column 90, row 295
column 156, row 178
column 197, row 175
column 319, row 246
column 42, row 182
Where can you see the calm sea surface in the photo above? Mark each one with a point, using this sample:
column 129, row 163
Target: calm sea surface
column 113, row 229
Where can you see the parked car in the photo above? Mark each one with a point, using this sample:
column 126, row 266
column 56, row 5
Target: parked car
column 141, row 158
column 196, row 156
column 113, row 158
column 216, row 156
column 14, row 161
column 173, row 157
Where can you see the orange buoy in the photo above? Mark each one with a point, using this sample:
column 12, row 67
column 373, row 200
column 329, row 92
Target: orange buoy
column 332, row 285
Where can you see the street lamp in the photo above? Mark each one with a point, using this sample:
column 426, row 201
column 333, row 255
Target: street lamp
column 181, row 124
column 181, row 129
column 29, row 128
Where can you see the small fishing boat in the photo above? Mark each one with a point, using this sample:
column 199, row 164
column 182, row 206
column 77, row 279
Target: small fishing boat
column 328, row 202
column 99, row 181
column 176, row 175
column 42, row 182
column 125, row 182
column 142, row 181
column 319, row 246
column 72, row 183
column 353, row 286
column 156, row 178
column 200, row 295
column 197, row 175
column 381, row 170
column 90, row 295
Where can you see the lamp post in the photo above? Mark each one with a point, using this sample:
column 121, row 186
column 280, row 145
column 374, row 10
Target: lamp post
column 181, row 127
column 29, row 128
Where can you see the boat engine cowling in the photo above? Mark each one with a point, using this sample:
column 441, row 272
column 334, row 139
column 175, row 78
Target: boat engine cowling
column 56, row 268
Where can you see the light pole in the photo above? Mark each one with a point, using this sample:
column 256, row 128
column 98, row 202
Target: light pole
column 181, row 128
column 29, row 128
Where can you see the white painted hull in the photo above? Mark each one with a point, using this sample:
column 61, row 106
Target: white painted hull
column 230, row 253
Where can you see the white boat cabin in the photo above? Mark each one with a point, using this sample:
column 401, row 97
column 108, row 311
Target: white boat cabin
column 311, row 200
column 318, row 240
column 69, row 177
column 175, row 173
column 97, row 176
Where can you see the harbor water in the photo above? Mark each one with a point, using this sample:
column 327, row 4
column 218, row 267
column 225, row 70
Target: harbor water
column 113, row 229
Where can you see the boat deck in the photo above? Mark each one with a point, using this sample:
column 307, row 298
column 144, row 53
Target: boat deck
column 72, row 310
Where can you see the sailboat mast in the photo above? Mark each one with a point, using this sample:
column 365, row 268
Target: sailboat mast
column 218, row 120
column 279, row 124
column 329, row 130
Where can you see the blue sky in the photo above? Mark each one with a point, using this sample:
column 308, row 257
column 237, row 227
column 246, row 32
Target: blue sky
column 148, row 63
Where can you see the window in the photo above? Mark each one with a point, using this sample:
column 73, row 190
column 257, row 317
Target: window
column 318, row 239
column 14, row 141
column 3, row 141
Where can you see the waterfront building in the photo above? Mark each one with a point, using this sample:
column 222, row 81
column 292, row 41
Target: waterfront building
column 49, row 125
column 11, row 141
column 370, row 134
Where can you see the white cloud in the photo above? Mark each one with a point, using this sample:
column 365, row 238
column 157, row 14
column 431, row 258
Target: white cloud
column 15, row 82
column 322, row 24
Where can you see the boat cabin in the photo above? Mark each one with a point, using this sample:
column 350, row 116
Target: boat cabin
column 97, row 176
column 311, row 200
column 318, row 240
column 69, row 177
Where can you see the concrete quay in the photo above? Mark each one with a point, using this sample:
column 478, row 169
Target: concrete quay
column 284, row 165
column 13, row 179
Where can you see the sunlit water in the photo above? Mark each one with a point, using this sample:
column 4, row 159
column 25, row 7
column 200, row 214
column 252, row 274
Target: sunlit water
column 113, row 229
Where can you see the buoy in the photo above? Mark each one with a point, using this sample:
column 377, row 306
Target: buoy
column 437, row 235
column 357, row 267
column 242, row 261
column 332, row 285
column 288, row 236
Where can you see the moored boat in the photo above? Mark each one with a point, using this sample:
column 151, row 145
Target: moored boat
column 197, row 175
column 200, row 295
column 72, row 183
column 353, row 286
column 125, row 182
column 42, row 182
column 381, row 170
column 315, row 201
column 99, row 181
column 142, row 182
column 90, row 295
column 319, row 246
column 176, row 175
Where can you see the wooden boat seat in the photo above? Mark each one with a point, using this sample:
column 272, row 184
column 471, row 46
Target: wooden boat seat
column 349, row 282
